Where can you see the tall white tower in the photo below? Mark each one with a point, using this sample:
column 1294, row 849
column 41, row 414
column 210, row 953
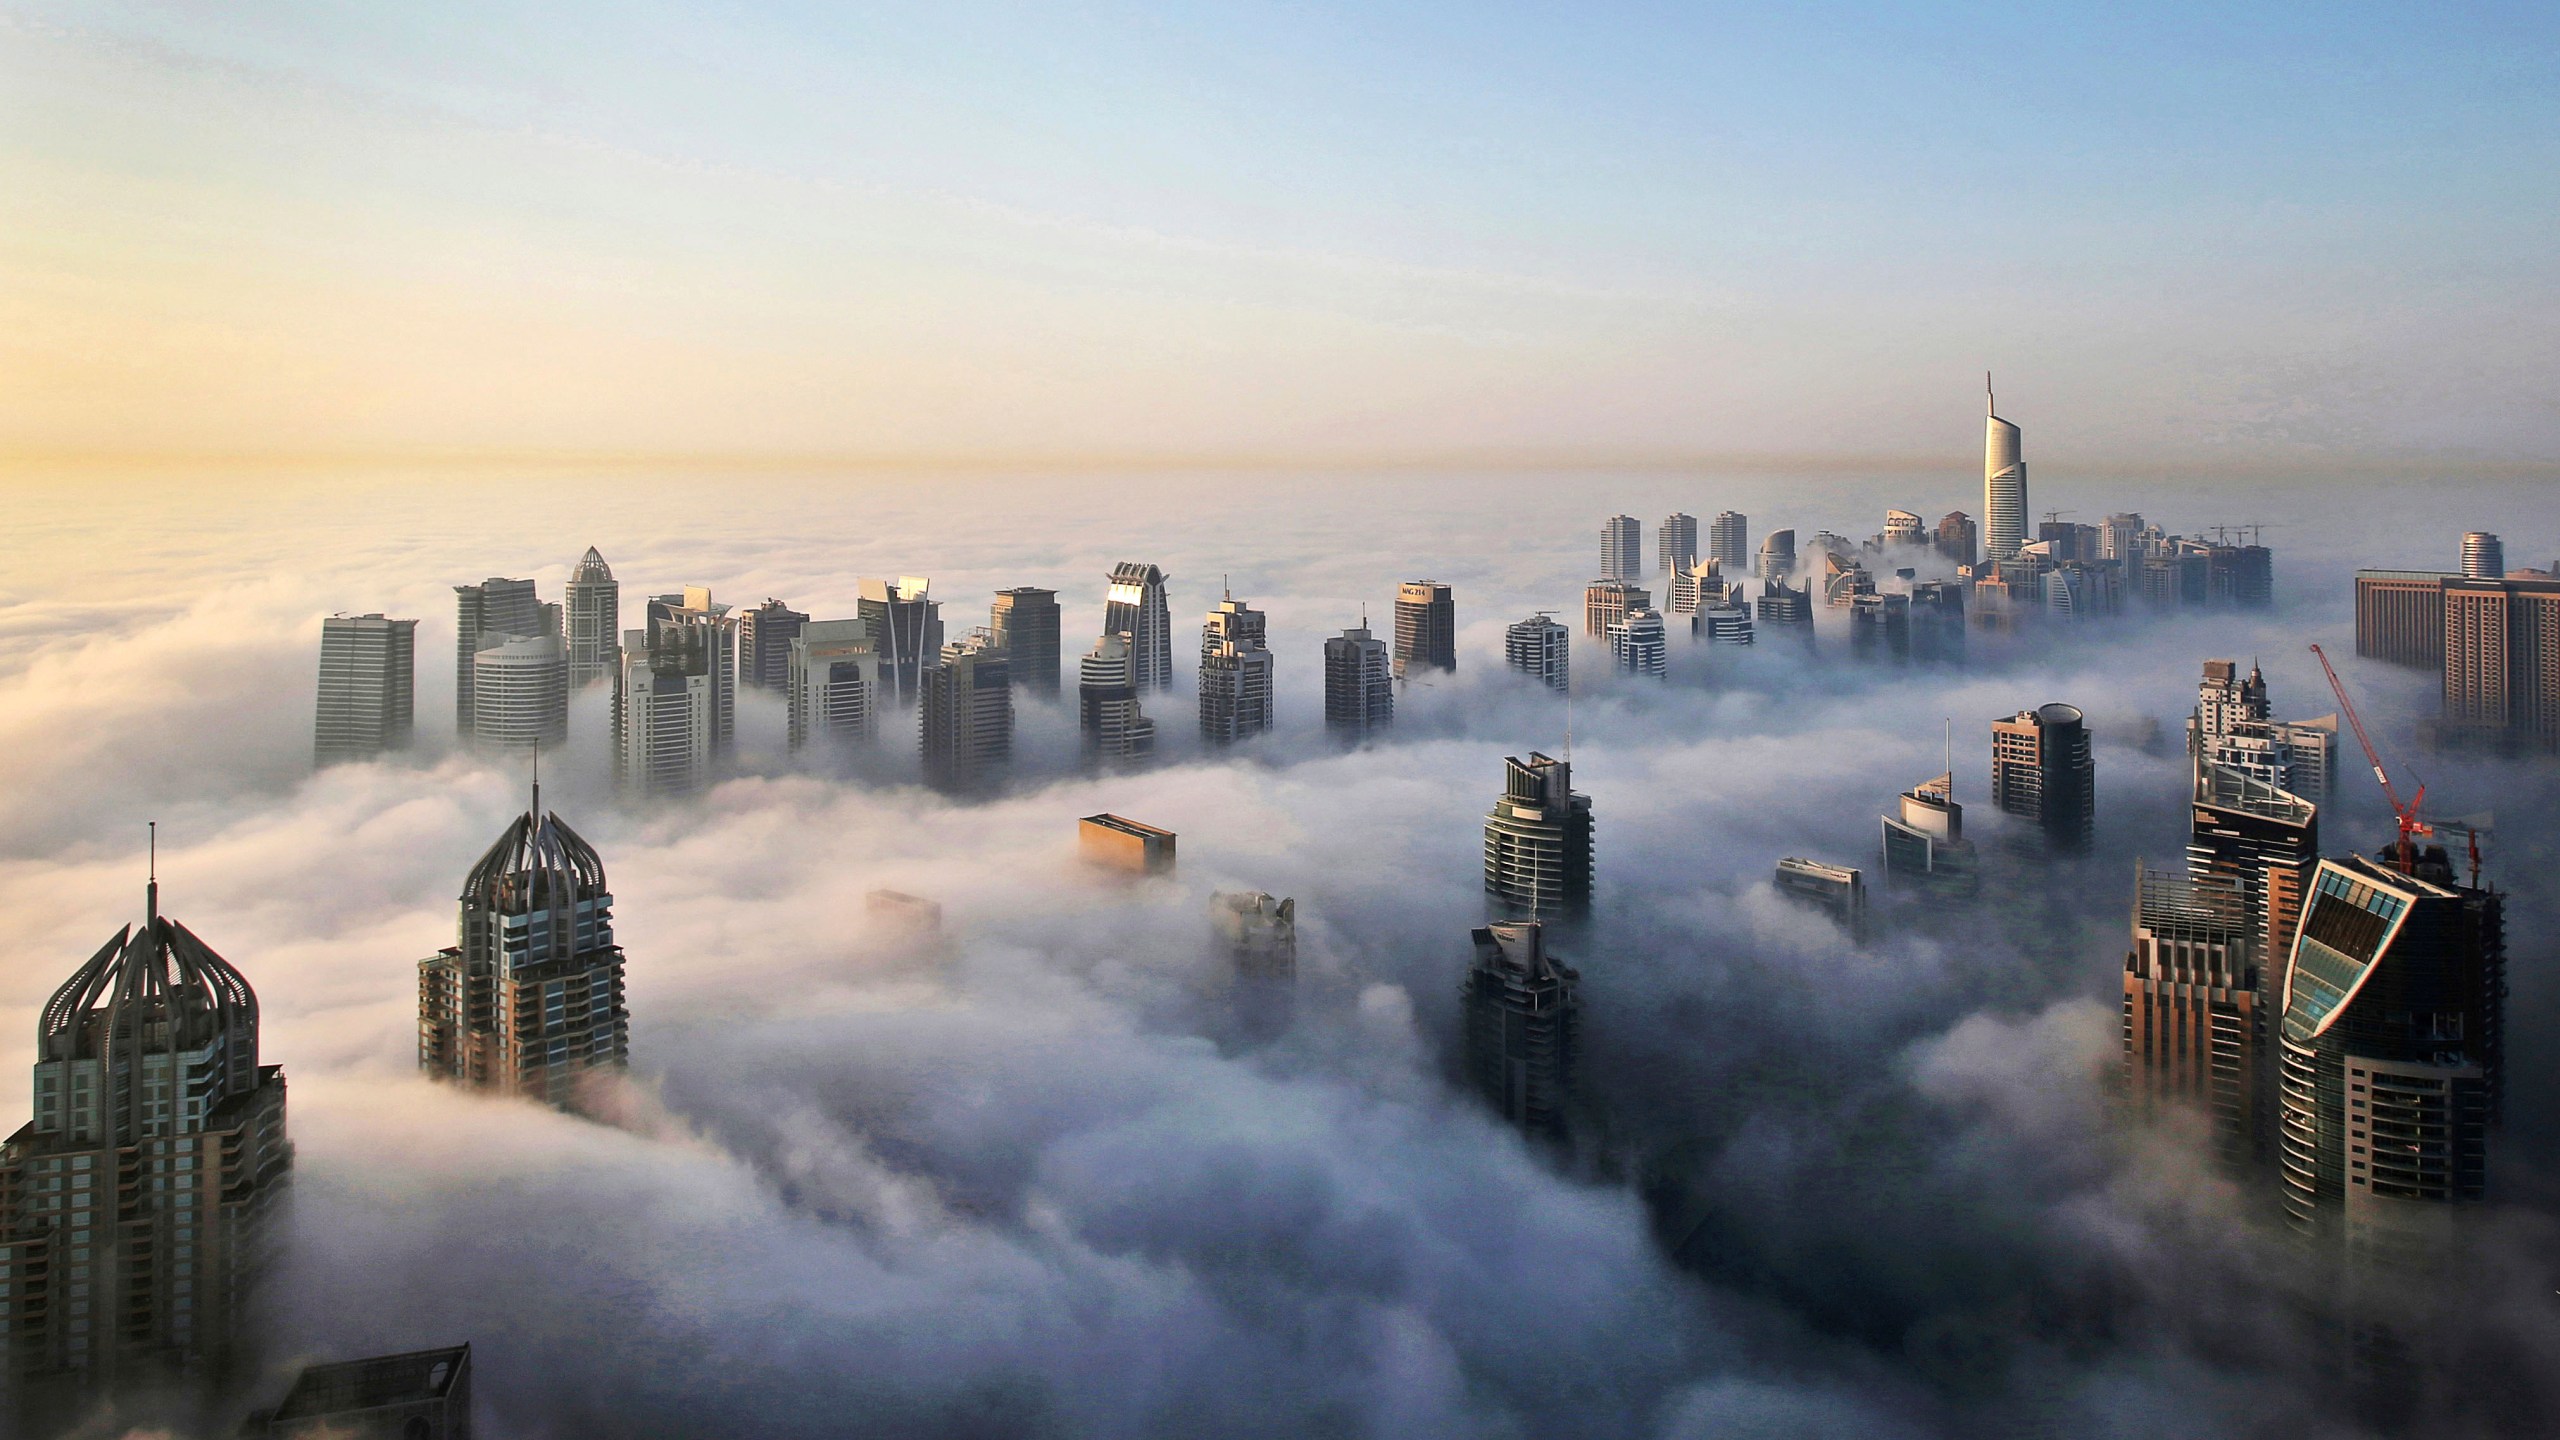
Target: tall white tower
column 2004, row 483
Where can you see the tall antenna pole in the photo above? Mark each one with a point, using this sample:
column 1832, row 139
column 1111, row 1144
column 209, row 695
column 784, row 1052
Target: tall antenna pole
column 151, row 887
column 1951, row 758
column 537, row 785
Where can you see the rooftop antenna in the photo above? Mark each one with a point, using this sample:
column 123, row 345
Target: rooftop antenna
column 537, row 786
column 151, row 886
column 1951, row 758
column 1989, row 406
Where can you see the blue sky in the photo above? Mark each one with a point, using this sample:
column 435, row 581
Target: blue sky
column 2270, row 232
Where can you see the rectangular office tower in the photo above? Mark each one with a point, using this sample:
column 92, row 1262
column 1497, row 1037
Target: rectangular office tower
column 967, row 715
column 1605, row 602
column 1538, row 840
column 906, row 629
column 1838, row 891
column 1541, row 648
column 368, row 680
column 1359, row 683
column 1729, row 541
column 531, row 999
column 2233, row 727
column 2400, row 617
column 1956, row 538
column 1235, row 674
column 2042, row 772
column 595, row 621
column 834, row 684
column 138, row 1205
column 764, row 644
column 1636, row 645
column 1523, row 1016
column 1786, row 615
column 493, row 607
column 675, row 702
column 1622, row 548
column 1676, row 543
column 1024, row 621
column 2502, row 661
column 1426, row 627
column 2192, row 1032
column 2392, row 1048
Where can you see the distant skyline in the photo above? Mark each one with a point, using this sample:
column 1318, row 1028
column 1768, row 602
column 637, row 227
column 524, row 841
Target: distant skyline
column 2190, row 236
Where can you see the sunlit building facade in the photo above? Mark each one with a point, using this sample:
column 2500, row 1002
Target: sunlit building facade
column 1135, row 606
column 1538, row 849
column 595, row 621
column 368, row 688
column 1359, row 683
column 1542, row 648
column 1426, row 628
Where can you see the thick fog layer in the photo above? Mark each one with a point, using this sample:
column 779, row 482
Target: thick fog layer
column 1023, row 1181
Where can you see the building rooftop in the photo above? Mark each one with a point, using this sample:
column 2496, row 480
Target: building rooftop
column 385, row 1380
column 1122, row 824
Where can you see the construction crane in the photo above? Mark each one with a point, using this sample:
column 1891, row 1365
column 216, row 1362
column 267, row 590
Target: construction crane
column 2470, row 828
column 2406, row 813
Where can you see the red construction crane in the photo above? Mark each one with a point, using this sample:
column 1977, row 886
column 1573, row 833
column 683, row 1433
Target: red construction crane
column 2411, row 827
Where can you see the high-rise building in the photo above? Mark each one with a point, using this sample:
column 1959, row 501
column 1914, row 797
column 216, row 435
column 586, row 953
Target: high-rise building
column 834, row 683
column 1622, row 548
column 1636, row 645
column 1540, row 647
column 1359, row 684
column 1117, row 842
column 1937, row 622
column 1725, row 624
column 137, row 1206
column 2233, row 727
column 2502, row 661
column 519, row 691
column 1261, row 939
column 1698, row 585
column 675, row 701
column 2192, row 1032
column 1605, row 602
column 1676, row 543
column 906, row 629
column 2004, row 483
column 764, row 644
column 530, row 1002
column 1729, row 541
column 2120, row 539
column 2042, row 771
column 1135, row 607
column 1115, row 732
column 1880, row 628
column 1838, row 891
column 2400, row 617
column 2392, row 1053
column 595, row 621
column 1537, row 840
column 1235, row 674
column 424, row 1395
column 493, row 607
column 1925, row 851
column 1787, row 614
column 1523, row 1012
column 1426, row 627
column 966, row 720
column 1956, row 540
column 1778, row 555
column 368, row 685
column 1902, row 530
column 2483, row 557
column 1025, row 622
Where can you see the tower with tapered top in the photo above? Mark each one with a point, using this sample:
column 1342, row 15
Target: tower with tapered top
column 2004, row 482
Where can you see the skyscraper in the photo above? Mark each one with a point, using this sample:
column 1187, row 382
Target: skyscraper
column 906, row 629
column 368, row 679
column 1676, row 543
column 1523, row 1014
column 2233, row 727
column 2502, row 661
column 1698, row 585
column 674, row 703
column 595, row 621
column 1925, row 851
column 2483, row 557
column 1902, row 530
column 2392, row 1048
column 530, row 1002
column 1839, row 891
column 764, row 644
column 1605, row 602
column 1786, row 614
column 519, row 691
column 1778, row 555
column 1537, row 840
column 1728, row 624
column 2400, row 617
column 1261, row 939
column 494, row 606
column 1937, row 622
column 2120, row 539
column 1115, row 732
column 1359, row 684
column 966, row 719
column 1539, row 646
column 1880, row 628
column 2042, row 771
column 1025, row 622
column 1235, row 674
column 2191, row 1029
column 2004, row 483
column 1636, row 644
column 1426, row 627
column 1729, row 541
column 1135, row 607
column 835, row 689
column 422, row 1395
column 137, row 1205
column 1622, row 548
column 1956, row 540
